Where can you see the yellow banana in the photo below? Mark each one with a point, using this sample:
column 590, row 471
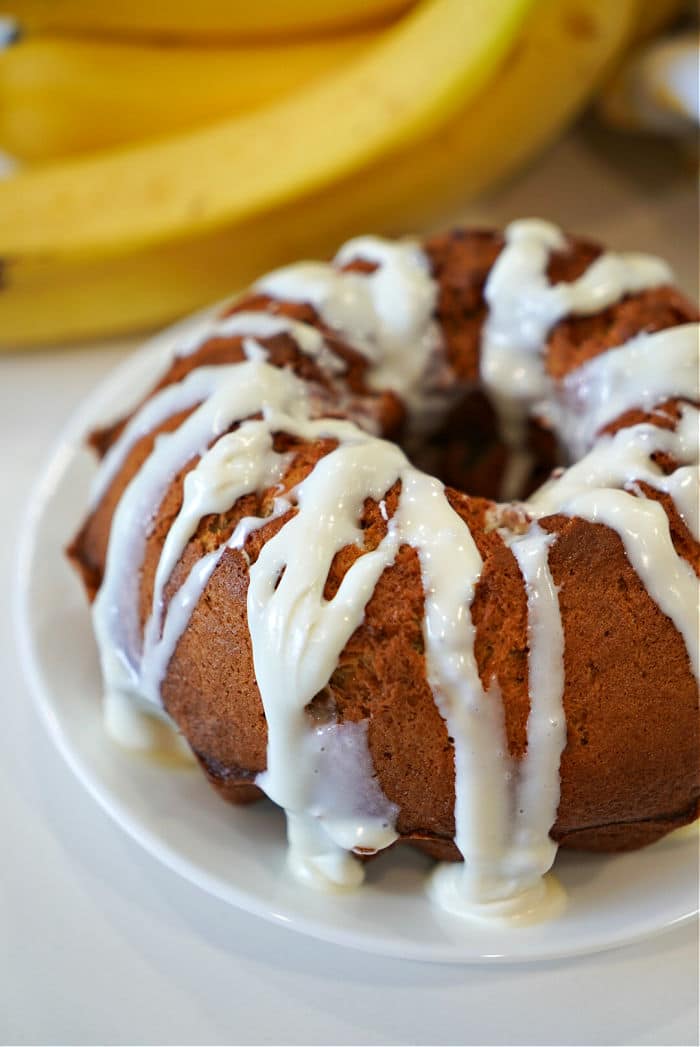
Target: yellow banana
column 61, row 96
column 418, row 75
column 545, row 78
column 207, row 19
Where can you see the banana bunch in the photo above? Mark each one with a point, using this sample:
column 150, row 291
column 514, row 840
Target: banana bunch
column 171, row 152
column 61, row 96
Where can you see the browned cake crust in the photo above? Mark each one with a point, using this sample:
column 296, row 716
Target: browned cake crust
column 630, row 769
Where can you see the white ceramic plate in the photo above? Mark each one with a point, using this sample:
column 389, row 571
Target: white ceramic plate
column 238, row 854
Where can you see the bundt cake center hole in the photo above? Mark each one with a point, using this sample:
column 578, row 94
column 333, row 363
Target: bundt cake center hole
column 468, row 453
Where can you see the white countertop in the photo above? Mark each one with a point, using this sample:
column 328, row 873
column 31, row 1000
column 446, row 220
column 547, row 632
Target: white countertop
column 101, row 944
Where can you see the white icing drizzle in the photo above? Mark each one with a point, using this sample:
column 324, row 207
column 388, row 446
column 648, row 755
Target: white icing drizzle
column 266, row 325
column 259, row 325
column 228, row 394
column 345, row 787
column 622, row 458
column 523, row 308
column 345, row 808
column 238, row 462
column 298, row 636
column 518, row 802
column 641, row 373
column 388, row 314
column 590, row 490
column 195, row 387
column 643, row 527
column 682, row 487
column 451, row 566
column 168, row 401
column 322, row 773
column 538, row 773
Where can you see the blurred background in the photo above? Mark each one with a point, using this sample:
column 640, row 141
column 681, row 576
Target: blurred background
column 155, row 157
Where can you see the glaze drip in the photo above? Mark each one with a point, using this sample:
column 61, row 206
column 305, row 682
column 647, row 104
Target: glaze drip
column 386, row 314
column 524, row 307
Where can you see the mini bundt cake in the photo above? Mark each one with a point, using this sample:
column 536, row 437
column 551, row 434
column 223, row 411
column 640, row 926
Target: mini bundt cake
column 387, row 657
